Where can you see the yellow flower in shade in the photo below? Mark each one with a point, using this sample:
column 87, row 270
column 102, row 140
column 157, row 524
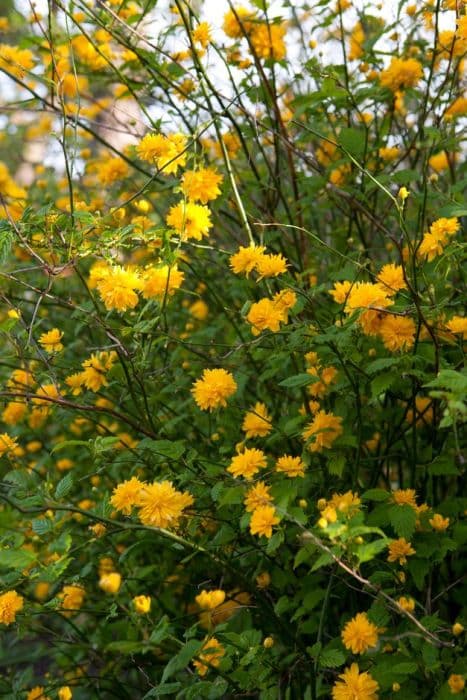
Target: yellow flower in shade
column 64, row 693
column 458, row 326
column 8, row 445
column 423, row 411
column 267, row 40
column 406, row 603
column 340, row 291
column 72, row 598
column 457, row 629
column 189, row 220
column 10, row 604
column 110, row 583
column 213, row 389
column 271, row 265
column 209, row 656
column 399, row 550
column 126, row 495
column 51, row 341
column 263, row 520
column 401, row 74
column 257, row 496
column 347, row 503
column 291, row 466
column 118, row 289
column 439, row 523
column 37, row 693
column 201, row 185
column 355, row 686
column 397, row 332
column 202, row 34
column 247, row 463
column 265, row 315
column 456, row 683
column 95, row 369
column 324, row 429
column 161, row 505
column 392, row 277
column 257, row 422
column 359, row 634
column 263, row 580
column 142, row 604
column 208, row 600
column 405, row 497
column 75, row 382
column 161, row 281
column 246, row 259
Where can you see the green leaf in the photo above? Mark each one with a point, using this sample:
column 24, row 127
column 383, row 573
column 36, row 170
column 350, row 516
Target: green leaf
column 42, row 526
column 182, row 659
column 375, row 495
column 64, row 486
column 166, row 448
column 403, row 519
column 368, row 551
column 323, row 560
column 353, row 141
column 331, row 658
column 336, row 465
column 16, row 559
column 299, row 380
column 381, row 383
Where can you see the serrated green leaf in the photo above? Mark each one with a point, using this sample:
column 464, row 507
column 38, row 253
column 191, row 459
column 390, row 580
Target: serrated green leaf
column 42, row 526
column 331, row 658
column 16, row 559
column 375, row 495
column 64, row 486
column 299, row 380
column 367, row 552
column 403, row 519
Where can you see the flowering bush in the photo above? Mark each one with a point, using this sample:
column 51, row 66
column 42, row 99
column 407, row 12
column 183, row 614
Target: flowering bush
column 232, row 383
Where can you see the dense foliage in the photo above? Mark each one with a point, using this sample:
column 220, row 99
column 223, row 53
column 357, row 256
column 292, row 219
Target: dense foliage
column 232, row 379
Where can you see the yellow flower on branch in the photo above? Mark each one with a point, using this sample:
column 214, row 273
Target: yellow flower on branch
column 263, row 520
column 51, row 340
column 11, row 603
column 359, row 634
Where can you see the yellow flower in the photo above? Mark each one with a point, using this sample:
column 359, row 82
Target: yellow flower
column 405, row 497
column 439, row 523
column 401, row 74
column 64, row 693
column 10, row 604
column 14, row 412
column 456, row 683
column 263, row 579
column 257, row 421
column 213, row 389
column 201, row 185
column 457, row 629
column 161, row 281
column 347, row 502
column 247, row 463
column 439, row 162
column 202, row 34
column 112, row 170
column 118, row 289
column 161, row 505
column 399, row 550
column 7, row 444
column 389, row 153
column 267, row 40
column 51, row 340
column 126, row 495
column 262, row 521
column 271, row 265
column 110, row 583
column 341, row 291
column 257, row 496
column 246, row 259
column 37, row 693
column 168, row 153
column 237, row 22
column 199, row 310
column 324, row 428
column 458, row 326
column 397, row 332
column 406, row 603
column 357, row 37
column 142, row 604
column 291, row 466
column 15, row 61
column 355, row 686
column 209, row 656
column 457, row 109
column 72, row 598
column 265, row 315
column 189, row 220
column 363, row 295
column 208, row 600
column 95, row 368
column 392, row 277
column 359, row 634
